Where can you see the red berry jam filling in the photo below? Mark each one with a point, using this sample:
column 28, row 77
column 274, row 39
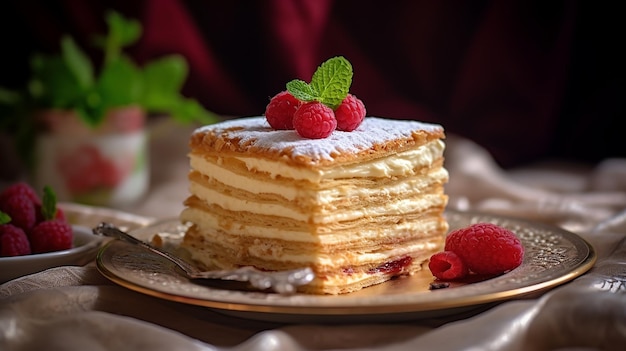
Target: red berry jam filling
column 348, row 270
column 392, row 267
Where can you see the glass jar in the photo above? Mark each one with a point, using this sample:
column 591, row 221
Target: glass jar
column 104, row 166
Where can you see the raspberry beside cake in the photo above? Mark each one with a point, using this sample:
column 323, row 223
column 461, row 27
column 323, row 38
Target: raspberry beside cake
column 357, row 207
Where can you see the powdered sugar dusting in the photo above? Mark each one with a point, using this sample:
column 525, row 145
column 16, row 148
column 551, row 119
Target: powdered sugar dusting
column 256, row 132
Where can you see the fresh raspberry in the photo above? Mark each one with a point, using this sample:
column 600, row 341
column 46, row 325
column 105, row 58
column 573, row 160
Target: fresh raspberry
column 279, row 112
column 51, row 235
column 13, row 241
column 447, row 265
column 20, row 189
column 314, row 120
column 21, row 209
column 486, row 248
column 350, row 113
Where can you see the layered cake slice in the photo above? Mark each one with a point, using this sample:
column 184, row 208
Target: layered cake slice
column 358, row 207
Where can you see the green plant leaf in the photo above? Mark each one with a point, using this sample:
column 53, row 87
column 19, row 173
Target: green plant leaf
column 91, row 110
column 120, row 83
column 49, row 203
column 77, row 62
column 122, row 32
column 332, row 81
column 163, row 79
column 125, row 31
column 53, row 85
column 4, row 218
column 302, row 90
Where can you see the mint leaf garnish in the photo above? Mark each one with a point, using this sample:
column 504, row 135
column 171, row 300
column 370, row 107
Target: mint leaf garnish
column 329, row 85
column 49, row 203
column 302, row 90
column 4, row 218
column 332, row 81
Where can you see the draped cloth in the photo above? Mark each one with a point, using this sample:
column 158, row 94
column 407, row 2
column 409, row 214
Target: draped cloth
column 75, row 308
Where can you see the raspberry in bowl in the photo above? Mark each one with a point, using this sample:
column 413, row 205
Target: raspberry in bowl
column 34, row 234
column 85, row 245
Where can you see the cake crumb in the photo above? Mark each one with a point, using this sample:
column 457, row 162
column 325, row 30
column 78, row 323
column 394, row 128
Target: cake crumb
column 438, row 285
column 157, row 241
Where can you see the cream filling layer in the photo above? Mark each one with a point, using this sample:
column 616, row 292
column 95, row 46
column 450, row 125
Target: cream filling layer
column 210, row 223
column 230, row 203
column 260, row 186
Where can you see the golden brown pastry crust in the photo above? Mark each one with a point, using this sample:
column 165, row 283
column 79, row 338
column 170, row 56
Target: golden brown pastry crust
column 229, row 142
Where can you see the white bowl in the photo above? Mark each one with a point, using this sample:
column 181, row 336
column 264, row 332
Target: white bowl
column 85, row 248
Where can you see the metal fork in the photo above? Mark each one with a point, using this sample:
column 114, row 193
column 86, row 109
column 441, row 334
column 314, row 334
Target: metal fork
column 282, row 282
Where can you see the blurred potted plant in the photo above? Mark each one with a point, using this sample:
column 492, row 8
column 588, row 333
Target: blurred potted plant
column 81, row 130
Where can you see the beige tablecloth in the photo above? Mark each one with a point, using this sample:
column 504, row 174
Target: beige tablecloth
column 75, row 308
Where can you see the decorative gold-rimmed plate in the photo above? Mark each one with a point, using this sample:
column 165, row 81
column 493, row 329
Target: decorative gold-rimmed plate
column 553, row 256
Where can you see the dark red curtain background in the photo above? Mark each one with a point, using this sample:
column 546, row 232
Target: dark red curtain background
column 529, row 80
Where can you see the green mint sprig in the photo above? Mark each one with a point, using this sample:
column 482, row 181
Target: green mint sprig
column 329, row 85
